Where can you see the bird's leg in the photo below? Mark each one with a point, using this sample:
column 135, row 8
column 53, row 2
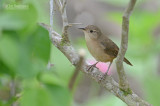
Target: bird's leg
column 92, row 65
column 106, row 73
column 108, row 67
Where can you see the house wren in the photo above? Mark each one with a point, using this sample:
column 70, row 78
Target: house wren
column 100, row 46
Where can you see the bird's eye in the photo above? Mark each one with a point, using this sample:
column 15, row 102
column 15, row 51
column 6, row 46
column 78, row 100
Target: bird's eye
column 91, row 31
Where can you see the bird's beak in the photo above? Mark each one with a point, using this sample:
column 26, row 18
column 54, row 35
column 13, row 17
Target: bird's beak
column 82, row 28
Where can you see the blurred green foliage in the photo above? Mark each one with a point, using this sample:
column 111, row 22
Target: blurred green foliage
column 25, row 51
column 111, row 101
column 121, row 2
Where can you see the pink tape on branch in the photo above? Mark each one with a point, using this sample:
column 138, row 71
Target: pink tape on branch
column 101, row 66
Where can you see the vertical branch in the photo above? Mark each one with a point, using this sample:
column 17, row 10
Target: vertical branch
column 65, row 23
column 51, row 13
column 124, row 44
column 62, row 8
column 64, row 15
column 51, row 28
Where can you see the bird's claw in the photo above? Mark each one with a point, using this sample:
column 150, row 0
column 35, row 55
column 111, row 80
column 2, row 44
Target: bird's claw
column 91, row 66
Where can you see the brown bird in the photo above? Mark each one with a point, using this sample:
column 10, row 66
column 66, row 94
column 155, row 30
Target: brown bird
column 100, row 46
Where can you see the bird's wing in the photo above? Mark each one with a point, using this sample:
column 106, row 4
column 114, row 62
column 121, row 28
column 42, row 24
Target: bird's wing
column 109, row 47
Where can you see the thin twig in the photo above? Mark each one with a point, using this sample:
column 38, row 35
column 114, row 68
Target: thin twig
column 57, row 5
column 73, row 78
column 62, row 10
column 51, row 13
column 12, row 90
column 60, row 3
column 123, row 48
column 64, row 19
column 77, row 70
column 64, row 5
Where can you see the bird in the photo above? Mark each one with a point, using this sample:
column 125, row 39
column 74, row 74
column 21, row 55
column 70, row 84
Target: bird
column 101, row 47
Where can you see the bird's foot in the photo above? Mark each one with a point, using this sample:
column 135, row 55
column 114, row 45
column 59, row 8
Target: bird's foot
column 91, row 66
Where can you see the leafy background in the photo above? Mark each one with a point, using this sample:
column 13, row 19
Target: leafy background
column 25, row 50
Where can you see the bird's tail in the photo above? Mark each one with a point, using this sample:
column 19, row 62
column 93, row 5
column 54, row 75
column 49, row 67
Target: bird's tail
column 127, row 61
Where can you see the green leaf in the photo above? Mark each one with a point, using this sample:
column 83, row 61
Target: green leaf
column 11, row 21
column 25, row 57
column 41, row 47
column 60, row 95
column 37, row 96
column 4, row 69
column 35, row 53
column 25, row 68
column 30, row 18
column 51, row 78
column 23, row 21
column 9, row 53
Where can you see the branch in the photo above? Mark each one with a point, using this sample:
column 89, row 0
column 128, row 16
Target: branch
column 109, row 83
column 123, row 82
column 95, row 74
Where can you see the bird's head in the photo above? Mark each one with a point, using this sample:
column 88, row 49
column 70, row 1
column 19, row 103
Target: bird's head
column 92, row 31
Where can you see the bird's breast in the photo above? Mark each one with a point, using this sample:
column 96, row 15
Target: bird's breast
column 96, row 50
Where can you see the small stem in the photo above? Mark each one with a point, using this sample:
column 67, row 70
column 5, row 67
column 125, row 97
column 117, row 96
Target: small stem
column 77, row 70
column 60, row 3
column 12, row 88
column 73, row 79
column 51, row 13
column 64, row 5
